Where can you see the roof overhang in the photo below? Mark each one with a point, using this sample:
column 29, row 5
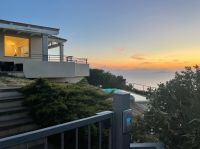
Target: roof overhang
column 57, row 39
column 28, row 28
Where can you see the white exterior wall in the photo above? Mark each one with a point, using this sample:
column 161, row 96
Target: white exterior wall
column 36, row 48
column 81, row 70
column 44, row 69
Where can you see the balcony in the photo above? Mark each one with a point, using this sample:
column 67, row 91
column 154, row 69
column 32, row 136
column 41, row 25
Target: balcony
column 51, row 66
column 56, row 67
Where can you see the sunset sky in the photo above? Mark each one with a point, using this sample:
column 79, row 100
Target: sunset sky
column 122, row 36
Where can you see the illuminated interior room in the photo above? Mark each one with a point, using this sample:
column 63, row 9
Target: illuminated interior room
column 16, row 46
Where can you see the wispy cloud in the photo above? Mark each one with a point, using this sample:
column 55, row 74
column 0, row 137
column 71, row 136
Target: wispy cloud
column 146, row 63
column 138, row 57
column 176, row 60
column 120, row 49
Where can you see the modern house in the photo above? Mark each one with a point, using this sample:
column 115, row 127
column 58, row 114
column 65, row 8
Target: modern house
column 25, row 48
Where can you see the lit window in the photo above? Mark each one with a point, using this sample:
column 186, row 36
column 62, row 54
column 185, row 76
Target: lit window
column 16, row 46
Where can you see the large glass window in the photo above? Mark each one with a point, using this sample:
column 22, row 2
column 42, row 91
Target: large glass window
column 16, row 46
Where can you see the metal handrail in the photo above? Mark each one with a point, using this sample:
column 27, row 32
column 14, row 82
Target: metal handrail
column 45, row 132
column 56, row 58
column 75, row 59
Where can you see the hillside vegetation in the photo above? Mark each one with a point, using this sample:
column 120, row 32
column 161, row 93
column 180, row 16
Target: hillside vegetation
column 174, row 112
column 53, row 103
column 101, row 78
column 10, row 81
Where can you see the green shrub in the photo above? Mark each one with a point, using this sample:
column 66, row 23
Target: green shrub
column 174, row 111
column 53, row 103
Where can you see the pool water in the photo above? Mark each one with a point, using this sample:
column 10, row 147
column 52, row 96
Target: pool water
column 138, row 98
column 110, row 90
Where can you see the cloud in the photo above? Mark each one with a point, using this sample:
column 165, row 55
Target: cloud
column 176, row 60
column 138, row 57
column 146, row 63
column 97, row 65
column 120, row 49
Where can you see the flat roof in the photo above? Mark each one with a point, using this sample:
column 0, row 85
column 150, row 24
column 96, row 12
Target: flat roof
column 58, row 38
column 28, row 27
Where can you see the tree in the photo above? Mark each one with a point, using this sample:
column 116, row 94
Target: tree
column 99, row 77
column 174, row 111
column 104, row 79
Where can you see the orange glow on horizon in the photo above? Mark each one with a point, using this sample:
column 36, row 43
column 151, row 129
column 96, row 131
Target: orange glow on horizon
column 176, row 60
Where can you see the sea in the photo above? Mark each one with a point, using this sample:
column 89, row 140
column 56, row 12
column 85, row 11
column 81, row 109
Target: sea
column 145, row 77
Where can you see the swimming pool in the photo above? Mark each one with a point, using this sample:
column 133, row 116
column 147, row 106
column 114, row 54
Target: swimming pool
column 138, row 98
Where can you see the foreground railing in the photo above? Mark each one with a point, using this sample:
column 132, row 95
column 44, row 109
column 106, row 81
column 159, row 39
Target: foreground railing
column 118, row 123
column 43, row 134
column 147, row 145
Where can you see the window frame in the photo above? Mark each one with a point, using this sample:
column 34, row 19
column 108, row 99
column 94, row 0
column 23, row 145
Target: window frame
column 19, row 36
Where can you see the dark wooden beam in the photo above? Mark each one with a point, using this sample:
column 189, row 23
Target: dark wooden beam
column 34, row 34
column 53, row 46
column 4, row 30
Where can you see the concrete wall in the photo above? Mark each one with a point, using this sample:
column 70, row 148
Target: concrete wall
column 82, row 70
column 43, row 69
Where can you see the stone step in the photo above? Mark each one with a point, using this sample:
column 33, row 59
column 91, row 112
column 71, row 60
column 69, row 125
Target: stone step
column 9, row 98
column 7, row 111
column 11, row 103
column 10, row 95
column 8, row 89
column 17, row 130
column 14, row 115
column 14, row 123
column 14, row 118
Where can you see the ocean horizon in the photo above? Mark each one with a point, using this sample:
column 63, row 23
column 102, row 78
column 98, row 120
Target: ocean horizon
column 145, row 77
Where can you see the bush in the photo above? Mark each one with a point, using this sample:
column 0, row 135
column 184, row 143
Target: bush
column 174, row 114
column 54, row 103
column 99, row 77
